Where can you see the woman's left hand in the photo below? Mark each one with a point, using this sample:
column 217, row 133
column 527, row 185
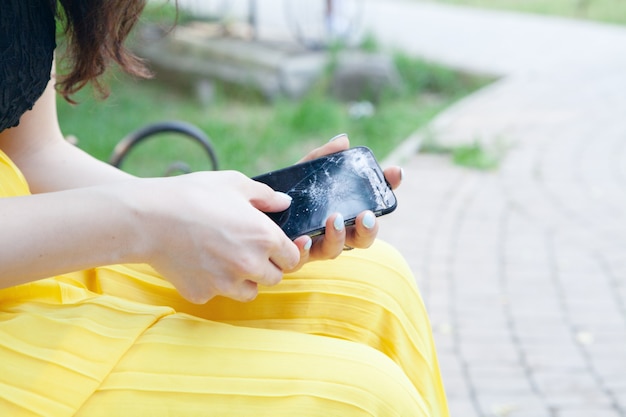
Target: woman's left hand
column 337, row 237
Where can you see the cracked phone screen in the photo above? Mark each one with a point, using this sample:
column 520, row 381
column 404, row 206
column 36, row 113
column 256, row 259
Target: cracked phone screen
column 347, row 182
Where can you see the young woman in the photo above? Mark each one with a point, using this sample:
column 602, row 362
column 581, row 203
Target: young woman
column 113, row 301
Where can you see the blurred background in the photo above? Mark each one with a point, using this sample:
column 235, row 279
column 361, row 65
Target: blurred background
column 266, row 80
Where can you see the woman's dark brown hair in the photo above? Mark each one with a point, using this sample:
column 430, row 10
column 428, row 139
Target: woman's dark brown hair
column 95, row 32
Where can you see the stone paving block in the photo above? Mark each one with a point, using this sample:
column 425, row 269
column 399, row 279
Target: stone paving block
column 612, row 373
column 497, row 372
column 544, row 310
column 472, row 254
column 525, row 254
column 549, row 350
column 598, row 350
column 454, row 377
column 598, row 312
column 527, row 412
column 587, row 285
column 589, row 411
column 574, row 257
column 610, row 362
column 616, row 383
column 594, row 399
column 476, row 299
column 543, row 325
column 517, row 168
column 503, row 386
column 552, row 347
column 437, row 270
column 445, row 344
column 512, row 405
column 439, row 317
column 545, row 360
column 487, row 338
column 534, row 301
column 616, row 261
column 456, row 387
column 531, row 301
column 525, row 278
column 498, row 353
column 577, row 387
column 463, row 407
column 476, row 317
column 436, row 293
column 475, row 273
column 477, row 321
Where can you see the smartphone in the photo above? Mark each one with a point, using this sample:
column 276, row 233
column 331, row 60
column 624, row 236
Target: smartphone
column 347, row 182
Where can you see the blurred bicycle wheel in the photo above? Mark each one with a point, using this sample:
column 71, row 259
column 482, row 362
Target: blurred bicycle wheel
column 318, row 24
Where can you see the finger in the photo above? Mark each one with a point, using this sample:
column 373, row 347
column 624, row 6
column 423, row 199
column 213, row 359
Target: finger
column 264, row 198
column 331, row 244
column 246, row 287
column 304, row 244
column 338, row 143
column 195, row 295
column 247, row 291
column 394, row 175
column 286, row 254
column 364, row 232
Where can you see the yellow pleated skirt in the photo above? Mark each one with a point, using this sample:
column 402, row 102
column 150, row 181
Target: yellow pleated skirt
column 348, row 337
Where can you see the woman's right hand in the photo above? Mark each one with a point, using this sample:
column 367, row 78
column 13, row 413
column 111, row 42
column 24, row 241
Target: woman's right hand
column 204, row 232
column 207, row 234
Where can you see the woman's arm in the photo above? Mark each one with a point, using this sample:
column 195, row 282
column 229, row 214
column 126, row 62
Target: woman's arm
column 46, row 159
column 53, row 233
column 205, row 232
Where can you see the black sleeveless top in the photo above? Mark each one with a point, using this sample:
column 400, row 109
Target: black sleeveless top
column 27, row 43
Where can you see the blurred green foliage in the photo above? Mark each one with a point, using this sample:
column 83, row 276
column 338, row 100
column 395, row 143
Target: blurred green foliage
column 609, row 11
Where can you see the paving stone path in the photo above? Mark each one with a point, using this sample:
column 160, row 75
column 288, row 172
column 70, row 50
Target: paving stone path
column 523, row 269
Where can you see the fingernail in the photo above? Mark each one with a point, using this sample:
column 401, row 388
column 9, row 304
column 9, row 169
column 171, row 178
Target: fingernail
column 284, row 196
column 338, row 136
column 401, row 174
column 369, row 220
column 338, row 223
column 308, row 244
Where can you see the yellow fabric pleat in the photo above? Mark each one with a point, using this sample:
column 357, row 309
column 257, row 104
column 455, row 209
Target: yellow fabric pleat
column 12, row 182
column 348, row 337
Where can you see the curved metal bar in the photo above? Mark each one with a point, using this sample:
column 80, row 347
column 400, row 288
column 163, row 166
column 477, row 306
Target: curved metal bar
column 186, row 129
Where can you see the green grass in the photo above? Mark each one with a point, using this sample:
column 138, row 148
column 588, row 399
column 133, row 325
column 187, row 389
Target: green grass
column 250, row 134
column 476, row 155
column 609, row 11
